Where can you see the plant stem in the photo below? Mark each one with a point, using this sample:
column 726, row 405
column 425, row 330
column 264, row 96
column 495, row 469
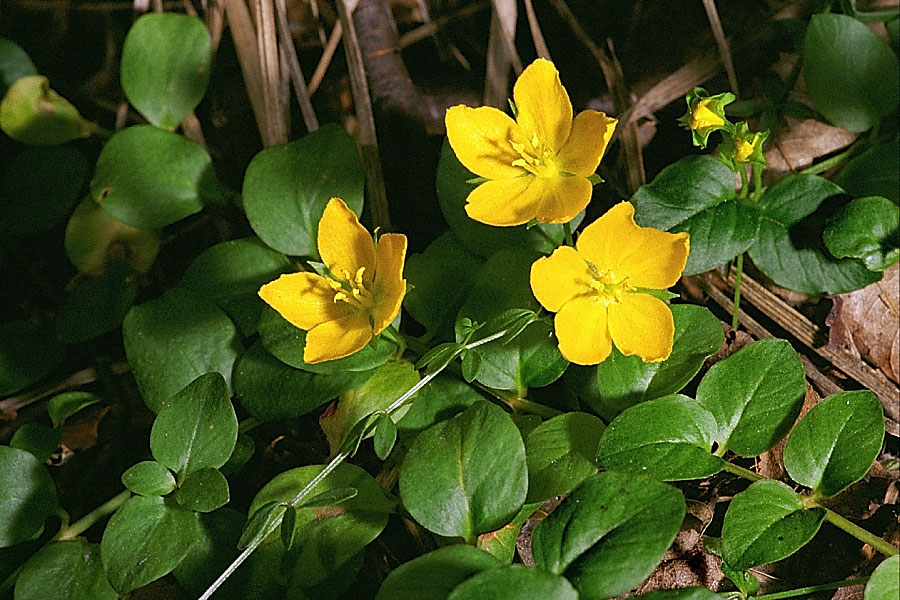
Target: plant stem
column 859, row 533
column 757, row 182
column 812, row 589
column 567, row 231
column 735, row 311
column 84, row 523
column 828, row 162
column 247, row 424
column 523, row 405
column 745, row 184
column 742, row 472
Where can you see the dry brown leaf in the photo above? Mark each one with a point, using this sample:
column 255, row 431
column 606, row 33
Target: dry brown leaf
column 800, row 142
column 80, row 432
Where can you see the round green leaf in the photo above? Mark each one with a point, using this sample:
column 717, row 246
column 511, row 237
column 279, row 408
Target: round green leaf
column 584, row 538
column 244, row 449
column 64, row 571
column 148, row 177
column 230, row 275
column 271, row 390
column 834, row 445
column 718, row 234
column 41, row 187
column 867, row 229
column 166, row 61
column 669, row 438
column 62, row 406
column 98, row 304
column 214, row 549
column 27, row 353
column 149, row 478
column 623, row 381
column 514, row 582
column 561, row 453
column 36, row 438
column 32, row 113
column 851, row 74
column 501, row 544
column 203, row 490
column 873, row 173
column 287, row 187
column 755, row 395
column 466, row 476
column 765, row 523
column 478, row 238
column 14, row 64
column 173, row 340
column 884, row 584
column 434, row 575
column 688, row 593
column 441, row 398
column 196, row 428
column 144, row 540
column 27, row 496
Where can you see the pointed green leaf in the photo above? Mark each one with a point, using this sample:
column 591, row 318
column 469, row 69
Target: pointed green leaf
column 33, row 113
column 514, row 582
column 385, row 437
column 149, row 478
column 434, row 575
column 64, row 571
column 561, row 453
column 62, row 406
column 330, row 497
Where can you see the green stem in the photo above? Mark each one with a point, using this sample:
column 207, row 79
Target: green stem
column 742, row 472
column 247, row 424
column 812, row 589
column 84, row 523
column 829, row 162
column 567, row 231
column 745, row 184
column 736, row 309
column 523, row 405
column 859, row 533
column 757, row 182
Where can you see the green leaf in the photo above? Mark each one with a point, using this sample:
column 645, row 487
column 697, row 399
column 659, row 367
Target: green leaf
column 583, row 539
column 441, row 398
column 884, row 584
column 172, row 340
column 326, row 537
column 453, row 188
column 196, row 428
column 69, row 570
column 243, row 451
column 873, row 173
column 623, row 381
column 32, row 113
column 514, row 582
column 149, row 478
column 867, row 229
column 214, row 549
column 27, row 496
column 148, row 177
column 166, row 60
column 261, row 517
column 203, row 490
column 385, row 437
column 795, row 197
column 230, row 274
column 434, row 575
column 467, row 475
column 287, row 187
column 561, row 453
column 41, row 187
column 765, row 523
column 270, row 390
column 27, row 354
column 501, row 544
column 288, row 521
column 286, row 343
column 36, row 438
column 687, row 593
column 669, row 438
column 834, row 445
column 439, row 280
column 144, row 540
column 330, row 497
column 14, row 64
column 62, row 406
column 98, row 305
column 851, row 74
column 755, row 395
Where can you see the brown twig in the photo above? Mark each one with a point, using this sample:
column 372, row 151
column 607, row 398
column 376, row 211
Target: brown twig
column 289, row 53
column 540, row 46
column 333, row 40
column 724, row 51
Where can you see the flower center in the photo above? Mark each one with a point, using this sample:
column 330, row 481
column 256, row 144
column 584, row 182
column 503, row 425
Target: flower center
column 352, row 290
column 536, row 158
column 608, row 286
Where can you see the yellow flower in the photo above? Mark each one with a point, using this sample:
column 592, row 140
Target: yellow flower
column 702, row 116
column 341, row 315
column 598, row 289
column 537, row 166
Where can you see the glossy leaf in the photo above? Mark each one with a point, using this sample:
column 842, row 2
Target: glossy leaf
column 441, row 398
column 583, row 539
column 873, row 173
column 287, row 187
column 561, row 453
column 14, row 64
column 166, row 61
column 851, row 74
column 27, row 353
column 203, row 490
column 467, row 475
column 669, row 438
column 514, row 582
column 687, row 593
column 755, row 395
column 834, row 445
column 214, row 548
column 98, row 305
column 148, row 177
column 36, row 438
column 144, row 540
column 27, row 496
column 62, row 406
column 884, row 584
column 69, row 570
column 31, row 112
column 765, row 523
column 867, row 229
column 149, row 478
column 196, row 428
column 434, row 575
column 385, row 437
column 173, row 340
column 501, row 544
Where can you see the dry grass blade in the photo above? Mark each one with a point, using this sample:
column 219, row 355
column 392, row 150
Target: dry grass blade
column 501, row 53
column 333, row 40
column 724, row 51
column 540, row 46
column 276, row 129
column 244, row 35
column 293, row 64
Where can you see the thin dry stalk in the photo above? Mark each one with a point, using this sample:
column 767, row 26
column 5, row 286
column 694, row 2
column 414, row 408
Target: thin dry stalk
column 276, row 129
column 501, row 52
column 333, row 40
column 540, row 46
column 293, row 64
column 244, row 35
column 724, row 51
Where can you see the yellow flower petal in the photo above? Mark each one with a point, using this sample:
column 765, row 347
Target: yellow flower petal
column 648, row 257
column 702, row 117
column 336, row 339
column 558, row 278
column 505, row 202
column 304, row 299
column 543, row 104
column 562, row 198
column 642, row 325
column 591, row 132
column 481, row 137
column 582, row 331
column 390, row 254
column 344, row 245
